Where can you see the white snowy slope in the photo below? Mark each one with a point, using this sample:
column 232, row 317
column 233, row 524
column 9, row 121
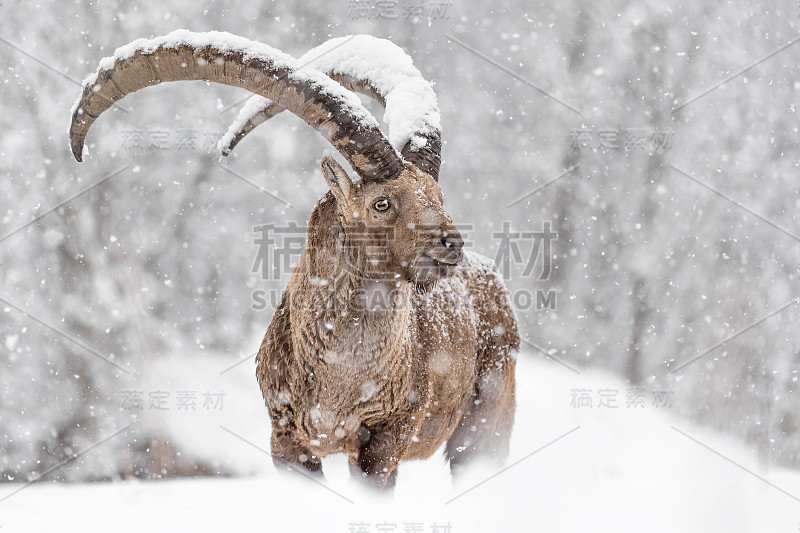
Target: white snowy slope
column 622, row 470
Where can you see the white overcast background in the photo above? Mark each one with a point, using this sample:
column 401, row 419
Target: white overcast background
column 658, row 380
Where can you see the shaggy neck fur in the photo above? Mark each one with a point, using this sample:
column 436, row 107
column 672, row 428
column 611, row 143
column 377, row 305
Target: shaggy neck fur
column 343, row 318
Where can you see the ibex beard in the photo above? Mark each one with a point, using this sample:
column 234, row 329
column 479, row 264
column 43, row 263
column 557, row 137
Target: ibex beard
column 433, row 363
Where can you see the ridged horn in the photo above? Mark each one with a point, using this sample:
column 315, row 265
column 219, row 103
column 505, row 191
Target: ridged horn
column 230, row 60
column 376, row 68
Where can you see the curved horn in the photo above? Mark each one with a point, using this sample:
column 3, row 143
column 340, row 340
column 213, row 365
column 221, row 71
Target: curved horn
column 230, row 60
column 381, row 70
column 258, row 110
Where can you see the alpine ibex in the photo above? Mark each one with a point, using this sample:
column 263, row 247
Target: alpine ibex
column 390, row 340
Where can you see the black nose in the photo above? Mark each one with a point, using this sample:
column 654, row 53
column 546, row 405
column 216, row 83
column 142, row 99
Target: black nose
column 452, row 241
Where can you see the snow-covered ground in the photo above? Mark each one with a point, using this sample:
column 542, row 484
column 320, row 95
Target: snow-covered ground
column 571, row 469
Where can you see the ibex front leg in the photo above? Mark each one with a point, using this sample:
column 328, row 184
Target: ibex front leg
column 288, row 452
column 377, row 458
column 273, row 365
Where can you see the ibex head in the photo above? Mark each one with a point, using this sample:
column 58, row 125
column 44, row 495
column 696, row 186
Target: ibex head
column 398, row 227
column 397, row 192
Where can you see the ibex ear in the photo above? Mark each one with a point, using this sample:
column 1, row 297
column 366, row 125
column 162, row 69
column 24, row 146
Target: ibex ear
column 337, row 179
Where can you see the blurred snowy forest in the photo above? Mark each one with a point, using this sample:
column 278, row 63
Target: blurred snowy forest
column 665, row 249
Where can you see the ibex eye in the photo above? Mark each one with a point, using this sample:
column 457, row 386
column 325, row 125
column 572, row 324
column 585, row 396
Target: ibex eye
column 381, row 204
